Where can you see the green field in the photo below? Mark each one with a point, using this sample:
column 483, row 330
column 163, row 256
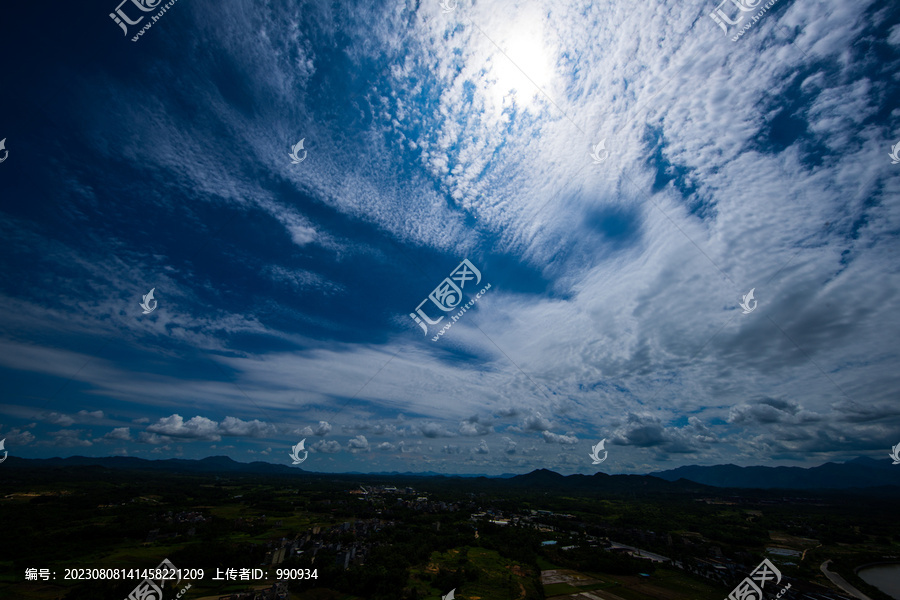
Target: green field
column 490, row 575
column 666, row 584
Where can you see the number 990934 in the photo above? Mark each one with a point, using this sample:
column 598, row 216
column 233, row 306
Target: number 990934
column 296, row 573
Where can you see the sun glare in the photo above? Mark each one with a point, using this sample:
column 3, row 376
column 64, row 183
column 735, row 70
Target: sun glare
column 524, row 68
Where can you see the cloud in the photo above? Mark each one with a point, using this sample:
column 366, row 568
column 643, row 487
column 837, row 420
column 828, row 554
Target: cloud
column 152, row 438
column 535, row 422
column 433, row 430
column 97, row 414
column 766, row 412
column 326, row 447
column 68, row 438
column 58, row 419
column 232, row 426
column 552, row 438
column 118, row 434
column 197, row 428
column 386, row 447
column 481, row 448
column 474, row 426
column 379, row 429
column 510, row 445
column 17, row 437
column 358, row 444
column 648, row 431
column 202, row 429
column 509, row 411
column 322, row 429
column 302, row 280
column 615, row 285
column 451, row 449
column 406, row 447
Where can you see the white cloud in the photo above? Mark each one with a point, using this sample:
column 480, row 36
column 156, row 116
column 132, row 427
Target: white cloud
column 58, row 419
column 326, row 447
column 358, row 444
column 118, row 434
column 552, row 438
column 232, row 426
column 322, row 429
column 16, row 437
column 474, row 426
column 97, row 414
column 618, row 290
column 68, row 438
column 197, row 428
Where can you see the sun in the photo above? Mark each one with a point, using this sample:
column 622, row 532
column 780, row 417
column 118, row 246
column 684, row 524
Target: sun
column 522, row 69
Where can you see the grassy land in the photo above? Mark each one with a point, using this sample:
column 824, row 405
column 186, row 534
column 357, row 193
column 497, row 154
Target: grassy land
column 546, row 565
column 495, row 577
column 559, row 589
column 664, row 584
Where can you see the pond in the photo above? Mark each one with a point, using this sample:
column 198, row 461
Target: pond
column 885, row 577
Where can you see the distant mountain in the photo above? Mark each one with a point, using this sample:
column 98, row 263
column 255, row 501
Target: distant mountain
column 860, row 472
column 600, row 482
column 210, row 464
column 421, row 474
column 857, row 473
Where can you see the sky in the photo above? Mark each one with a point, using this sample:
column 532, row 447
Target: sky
column 586, row 192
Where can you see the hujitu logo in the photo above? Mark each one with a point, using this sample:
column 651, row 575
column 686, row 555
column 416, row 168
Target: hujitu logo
column 745, row 302
column 121, row 18
column 447, row 296
column 296, row 159
column 724, row 20
column 296, row 450
column 595, row 452
column 148, row 298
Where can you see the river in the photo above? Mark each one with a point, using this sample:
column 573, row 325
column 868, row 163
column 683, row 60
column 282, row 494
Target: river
column 885, row 577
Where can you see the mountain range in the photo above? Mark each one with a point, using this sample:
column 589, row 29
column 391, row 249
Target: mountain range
column 860, row 472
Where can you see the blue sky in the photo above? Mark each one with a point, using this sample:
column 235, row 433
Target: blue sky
column 285, row 290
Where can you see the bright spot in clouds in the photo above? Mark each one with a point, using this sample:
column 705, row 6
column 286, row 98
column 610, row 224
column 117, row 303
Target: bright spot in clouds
column 526, row 51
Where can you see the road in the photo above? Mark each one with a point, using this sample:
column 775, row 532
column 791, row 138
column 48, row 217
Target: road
column 642, row 553
column 841, row 582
